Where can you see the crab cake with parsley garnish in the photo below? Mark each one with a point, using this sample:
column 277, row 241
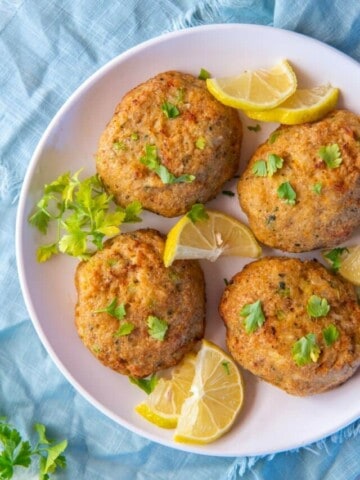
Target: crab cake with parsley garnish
column 301, row 188
column 132, row 313
column 170, row 144
column 293, row 324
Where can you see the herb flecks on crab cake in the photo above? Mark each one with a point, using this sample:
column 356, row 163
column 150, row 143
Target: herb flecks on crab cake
column 135, row 315
column 301, row 188
column 169, row 144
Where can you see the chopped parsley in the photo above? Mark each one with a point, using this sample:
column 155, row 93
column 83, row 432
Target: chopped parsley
column 170, row 110
column 152, row 162
column 84, row 215
column 263, row 168
column 197, row 212
column 134, row 136
column 113, row 309
column 200, row 143
column 125, row 328
column 254, row 128
column 119, row 145
column 204, row 74
column 229, row 193
column 287, row 193
column 331, row 155
column 317, row 187
column 17, row 452
column 273, row 137
column 225, row 365
column 147, row 384
column 306, row 350
column 254, row 316
column 334, row 256
column 330, row 334
column 317, row 306
column 157, row 327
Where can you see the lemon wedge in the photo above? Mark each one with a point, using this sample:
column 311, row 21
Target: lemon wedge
column 305, row 105
column 209, row 238
column 348, row 263
column 255, row 89
column 162, row 406
column 217, row 395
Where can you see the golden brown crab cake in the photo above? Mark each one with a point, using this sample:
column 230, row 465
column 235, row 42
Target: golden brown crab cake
column 289, row 346
column 132, row 313
column 321, row 167
column 169, row 145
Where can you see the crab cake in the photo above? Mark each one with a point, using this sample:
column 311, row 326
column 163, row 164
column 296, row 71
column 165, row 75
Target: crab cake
column 301, row 188
column 134, row 314
column 169, row 145
column 270, row 311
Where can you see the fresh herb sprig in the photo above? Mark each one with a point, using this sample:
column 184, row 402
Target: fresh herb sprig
column 17, row 452
column 84, row 215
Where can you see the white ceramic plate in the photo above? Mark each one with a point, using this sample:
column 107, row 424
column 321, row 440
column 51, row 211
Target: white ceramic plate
column 271, row 420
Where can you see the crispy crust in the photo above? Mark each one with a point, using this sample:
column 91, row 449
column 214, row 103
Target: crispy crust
column 201, row 116
column 130, row 269
column 284, row 286
column 316, row 220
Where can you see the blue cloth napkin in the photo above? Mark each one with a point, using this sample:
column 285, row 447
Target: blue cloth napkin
column 47, row 49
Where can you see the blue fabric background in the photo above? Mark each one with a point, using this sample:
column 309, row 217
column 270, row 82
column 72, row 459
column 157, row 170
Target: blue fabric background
column 47, row 49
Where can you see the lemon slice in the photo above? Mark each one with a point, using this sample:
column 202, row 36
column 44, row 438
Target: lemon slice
column 218, row 234
column 162, row 407
column 305, row 105
column 216, row 398
column 349, row 264
column 255, row 89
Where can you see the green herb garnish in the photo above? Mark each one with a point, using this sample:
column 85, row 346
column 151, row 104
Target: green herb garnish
column 317, row 307
column 124, row 329
column 263, row 168
column 306, row 350
column 287, row 193
column 147, row 384
column 330, row 334
column 113, row 309
column 254, row 316
column 225, row 365
column 317, row 187
column 157, row 327
column 334, row 256
column 152, row 162
column 84, row 214
column 331, row 155
column 19, row 453
column 197, row 212
column 255, row 128
column 119, row 145
column 273, row 137
column 170, row 110
column 200, row 143
column 204, row 74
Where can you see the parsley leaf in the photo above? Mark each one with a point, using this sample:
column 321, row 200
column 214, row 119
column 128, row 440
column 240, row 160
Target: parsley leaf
column 255, row 128
column 83, row 214
column 204, row 74
column 124, row 329
column 306, row 350
column 334, row 256
column 197, row 213
column 287, row 193
column 330, row 334
column 331, row 155
column 147, row 384
column 200, row 143
column 317, row 307
column 17, row 452
column 225, row 365
column 113, row 309
column 170, row 110
column 259, row 168
column 151, row 161
column 254, row 316
column 157, row 327
column 263, row 168
column 317, row 187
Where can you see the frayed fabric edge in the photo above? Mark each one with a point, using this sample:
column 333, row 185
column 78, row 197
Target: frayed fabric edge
column 243, row 464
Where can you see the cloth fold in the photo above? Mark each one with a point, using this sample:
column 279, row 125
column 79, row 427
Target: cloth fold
column 48, row 48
